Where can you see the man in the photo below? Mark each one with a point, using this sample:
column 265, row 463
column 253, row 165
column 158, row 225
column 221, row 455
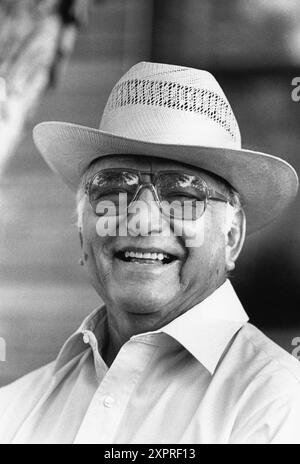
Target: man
column 163, row 193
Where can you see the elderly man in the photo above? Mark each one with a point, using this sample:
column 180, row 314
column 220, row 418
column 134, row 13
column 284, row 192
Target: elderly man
column 163, row 192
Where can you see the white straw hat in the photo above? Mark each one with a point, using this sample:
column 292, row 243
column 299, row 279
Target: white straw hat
column 180, row 114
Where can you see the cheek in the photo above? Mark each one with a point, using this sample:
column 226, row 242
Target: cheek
column 205, row 242
column 192, row 232
column 95, row 252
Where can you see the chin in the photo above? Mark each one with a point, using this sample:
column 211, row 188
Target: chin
column 145, row 302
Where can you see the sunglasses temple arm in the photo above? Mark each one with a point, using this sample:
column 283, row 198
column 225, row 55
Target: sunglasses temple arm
column 213, row 195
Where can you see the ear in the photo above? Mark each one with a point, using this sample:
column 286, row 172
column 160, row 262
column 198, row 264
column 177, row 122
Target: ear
column 235, row 238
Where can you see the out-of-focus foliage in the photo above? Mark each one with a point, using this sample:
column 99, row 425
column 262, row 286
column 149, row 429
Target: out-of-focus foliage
column 36, row 37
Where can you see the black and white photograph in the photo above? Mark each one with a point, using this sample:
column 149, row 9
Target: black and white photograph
column 149, row 224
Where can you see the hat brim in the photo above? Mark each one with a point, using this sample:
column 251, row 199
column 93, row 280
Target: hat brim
column 266, row 183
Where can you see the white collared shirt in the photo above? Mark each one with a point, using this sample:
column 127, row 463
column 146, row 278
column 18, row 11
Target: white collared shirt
column 206, row 377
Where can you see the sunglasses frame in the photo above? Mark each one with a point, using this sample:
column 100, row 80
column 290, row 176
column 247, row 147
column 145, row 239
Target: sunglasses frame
column 210, row 194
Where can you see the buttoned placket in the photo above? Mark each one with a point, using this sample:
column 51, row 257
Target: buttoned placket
column 100, row 366
column 109, row 403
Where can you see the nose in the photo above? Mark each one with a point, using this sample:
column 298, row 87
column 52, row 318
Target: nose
column 144, row 215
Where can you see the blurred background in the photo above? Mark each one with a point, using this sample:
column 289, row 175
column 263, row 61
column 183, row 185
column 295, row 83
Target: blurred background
column 58, row 61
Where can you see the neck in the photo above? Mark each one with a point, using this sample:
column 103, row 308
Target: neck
column 123, row 324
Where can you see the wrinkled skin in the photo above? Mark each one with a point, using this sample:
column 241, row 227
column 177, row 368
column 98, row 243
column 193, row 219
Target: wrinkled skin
column 144, row 297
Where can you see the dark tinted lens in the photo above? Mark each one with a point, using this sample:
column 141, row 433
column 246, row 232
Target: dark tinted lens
column 183, row 196
column 111, row 191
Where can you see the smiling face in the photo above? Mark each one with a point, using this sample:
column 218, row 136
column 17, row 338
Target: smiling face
column 152, row 278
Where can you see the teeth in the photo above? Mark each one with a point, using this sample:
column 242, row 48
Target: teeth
column 134, row 254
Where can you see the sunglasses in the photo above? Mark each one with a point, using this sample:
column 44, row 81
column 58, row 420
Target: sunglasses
column 179, row 195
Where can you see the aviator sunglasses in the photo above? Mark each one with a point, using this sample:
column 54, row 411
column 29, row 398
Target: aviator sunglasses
column 179, row 195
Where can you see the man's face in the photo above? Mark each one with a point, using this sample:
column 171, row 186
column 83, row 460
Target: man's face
column 150, row 287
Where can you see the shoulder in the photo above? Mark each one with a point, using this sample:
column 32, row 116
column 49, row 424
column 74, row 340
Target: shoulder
column 262, row 368
column 269, row 356
column 269, row 390
column 19, row 398
column 28, row 384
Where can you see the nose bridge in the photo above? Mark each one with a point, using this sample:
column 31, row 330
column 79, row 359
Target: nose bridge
column 145, row 212
column 146, row 204
column 147, row 193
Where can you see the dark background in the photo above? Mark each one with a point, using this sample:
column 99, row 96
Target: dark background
column 253, row 48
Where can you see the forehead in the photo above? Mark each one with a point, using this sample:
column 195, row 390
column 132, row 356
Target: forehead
column 151, row 164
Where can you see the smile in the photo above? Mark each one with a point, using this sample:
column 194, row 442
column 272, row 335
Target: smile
column 145, row 257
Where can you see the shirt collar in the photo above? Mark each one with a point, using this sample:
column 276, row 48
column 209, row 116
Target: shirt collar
column 204, row 330
column 207, row 328
column 96, row 322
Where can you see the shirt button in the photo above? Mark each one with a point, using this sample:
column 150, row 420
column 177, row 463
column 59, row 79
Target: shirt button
column 108, row 401
column 86, row 338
